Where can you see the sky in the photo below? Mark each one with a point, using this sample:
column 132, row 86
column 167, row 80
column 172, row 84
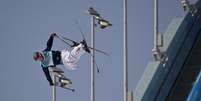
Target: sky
column 25, row 26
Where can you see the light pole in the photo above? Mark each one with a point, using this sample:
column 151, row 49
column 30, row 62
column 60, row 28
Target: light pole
column 93, row 59
column 54, row 87
column 125, row 52
column 95, row 16
column 156, row 50
column 54, row 70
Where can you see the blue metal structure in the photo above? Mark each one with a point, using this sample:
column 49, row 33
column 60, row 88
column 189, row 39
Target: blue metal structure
column 172, row 80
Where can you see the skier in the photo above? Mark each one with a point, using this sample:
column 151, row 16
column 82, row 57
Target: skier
column 51, row 58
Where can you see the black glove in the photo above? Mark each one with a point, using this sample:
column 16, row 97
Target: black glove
column 54, row 34
column 75, row 44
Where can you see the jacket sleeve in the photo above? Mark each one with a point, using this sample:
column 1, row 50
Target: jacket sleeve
column 47, row 74
column 49, row 43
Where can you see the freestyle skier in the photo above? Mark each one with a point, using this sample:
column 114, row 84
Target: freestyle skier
column 51, row 58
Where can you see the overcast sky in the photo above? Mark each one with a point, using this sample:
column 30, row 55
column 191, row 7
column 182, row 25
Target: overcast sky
column 25, row 26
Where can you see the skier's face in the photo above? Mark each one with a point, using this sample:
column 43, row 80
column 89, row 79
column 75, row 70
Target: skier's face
column 38, row 57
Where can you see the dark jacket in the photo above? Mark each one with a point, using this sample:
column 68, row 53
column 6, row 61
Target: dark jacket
column 56, row 57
